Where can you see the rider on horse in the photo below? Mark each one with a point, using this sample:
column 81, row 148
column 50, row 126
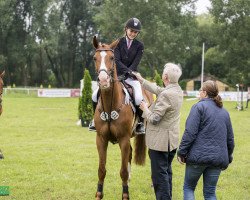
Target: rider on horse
column 128, row 54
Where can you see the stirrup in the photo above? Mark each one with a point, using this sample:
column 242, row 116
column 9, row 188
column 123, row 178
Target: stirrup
column 140, row 129
column 92, row 126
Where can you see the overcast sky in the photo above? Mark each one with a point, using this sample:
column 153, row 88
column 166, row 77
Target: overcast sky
column 202, row 6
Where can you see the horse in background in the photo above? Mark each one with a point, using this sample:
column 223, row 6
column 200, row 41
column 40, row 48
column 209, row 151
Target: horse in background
column 114, row 119
column 1, row 90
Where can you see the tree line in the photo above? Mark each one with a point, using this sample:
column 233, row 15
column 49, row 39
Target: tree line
column 50, row 41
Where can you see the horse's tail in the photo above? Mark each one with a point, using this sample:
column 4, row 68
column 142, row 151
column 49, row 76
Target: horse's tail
column 140, row 149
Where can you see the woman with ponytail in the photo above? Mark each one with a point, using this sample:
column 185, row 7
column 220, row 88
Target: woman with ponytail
column 207, row 144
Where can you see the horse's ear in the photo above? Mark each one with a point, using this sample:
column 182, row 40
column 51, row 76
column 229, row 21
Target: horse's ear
column 2, row 75
column 114, row 44
column 95, row 42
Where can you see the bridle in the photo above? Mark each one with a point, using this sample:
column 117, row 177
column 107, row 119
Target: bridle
column 107, row 116
column 110, row 73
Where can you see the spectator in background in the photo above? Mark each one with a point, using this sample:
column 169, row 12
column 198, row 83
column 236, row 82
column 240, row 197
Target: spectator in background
column 163, row 127
column 207, row 144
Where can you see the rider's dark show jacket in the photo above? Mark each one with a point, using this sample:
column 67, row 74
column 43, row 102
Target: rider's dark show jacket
column 127, row 60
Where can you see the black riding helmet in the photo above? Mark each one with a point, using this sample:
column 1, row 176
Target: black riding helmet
column 134, row 24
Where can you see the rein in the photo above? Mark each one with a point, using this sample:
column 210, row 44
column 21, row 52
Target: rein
column 108, row 116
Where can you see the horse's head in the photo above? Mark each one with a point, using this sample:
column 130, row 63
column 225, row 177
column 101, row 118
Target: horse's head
column 1, row 90
column 104, row 62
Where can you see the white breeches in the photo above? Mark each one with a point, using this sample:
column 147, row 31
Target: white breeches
column 94, row 95
column 136, row 89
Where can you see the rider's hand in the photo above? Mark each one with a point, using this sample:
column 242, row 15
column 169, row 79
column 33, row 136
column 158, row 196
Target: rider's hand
column 138, row 76
column 131, row 75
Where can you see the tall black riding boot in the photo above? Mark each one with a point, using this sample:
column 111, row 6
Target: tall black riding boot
column 140, row 128
column 92, row 123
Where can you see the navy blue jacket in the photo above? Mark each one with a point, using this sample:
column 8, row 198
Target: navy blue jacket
column 208, row 138
column 128, row 59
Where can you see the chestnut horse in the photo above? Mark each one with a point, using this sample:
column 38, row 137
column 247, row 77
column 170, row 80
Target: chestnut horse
column 114, row 119
column 1, row 90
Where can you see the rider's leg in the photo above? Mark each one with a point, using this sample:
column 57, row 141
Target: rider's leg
column 140, row 128
column 94, row 103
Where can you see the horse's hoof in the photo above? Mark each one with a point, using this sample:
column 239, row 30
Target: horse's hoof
column 98, row 195
column 125, row 196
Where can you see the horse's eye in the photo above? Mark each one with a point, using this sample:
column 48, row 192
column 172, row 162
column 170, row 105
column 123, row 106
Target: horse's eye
column 94, row 58
column 112, row 57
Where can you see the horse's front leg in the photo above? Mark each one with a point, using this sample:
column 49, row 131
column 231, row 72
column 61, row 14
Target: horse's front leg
column 129, row 163
column 125, row 153
column 102, row 145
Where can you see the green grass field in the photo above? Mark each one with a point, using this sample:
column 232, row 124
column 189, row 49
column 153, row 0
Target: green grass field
column 48, row 157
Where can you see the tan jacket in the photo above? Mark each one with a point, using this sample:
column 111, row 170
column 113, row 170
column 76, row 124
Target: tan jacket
column 163, row 117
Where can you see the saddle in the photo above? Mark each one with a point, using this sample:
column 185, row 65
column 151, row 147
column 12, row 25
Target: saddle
column 130, row 90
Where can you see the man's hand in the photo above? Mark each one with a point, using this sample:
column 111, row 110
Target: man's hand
column 138, row 76
column 143, row 105
column 181, row 160
column 231, row 158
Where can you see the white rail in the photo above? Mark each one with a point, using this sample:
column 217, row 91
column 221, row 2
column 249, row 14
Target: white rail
column 20, row 90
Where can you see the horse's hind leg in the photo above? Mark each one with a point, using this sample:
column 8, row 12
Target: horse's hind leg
column 125, row 154
column 102, row 145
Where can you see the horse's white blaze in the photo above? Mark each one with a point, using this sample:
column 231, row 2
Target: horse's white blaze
column 103, row 54
column 103, row 76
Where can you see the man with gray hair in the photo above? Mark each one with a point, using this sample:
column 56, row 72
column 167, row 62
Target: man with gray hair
column 163, row 127
column 173, row 71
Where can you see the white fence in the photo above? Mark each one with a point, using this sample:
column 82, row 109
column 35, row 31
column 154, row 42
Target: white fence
column 42, row 92
column 27, row 91
column 226, row 96
column 58, row 92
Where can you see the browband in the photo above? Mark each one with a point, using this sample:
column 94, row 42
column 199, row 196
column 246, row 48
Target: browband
column 104, row 50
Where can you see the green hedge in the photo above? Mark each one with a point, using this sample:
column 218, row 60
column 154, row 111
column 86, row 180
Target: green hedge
column 85, row 108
